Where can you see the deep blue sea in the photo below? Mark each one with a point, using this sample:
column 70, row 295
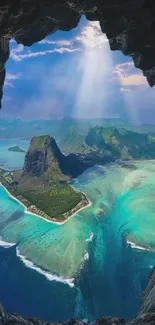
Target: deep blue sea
column 95, row 264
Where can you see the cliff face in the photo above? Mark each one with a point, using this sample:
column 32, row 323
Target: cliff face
column 44, row 155
column 9, row 318
column 42, row 185
column 128, row 24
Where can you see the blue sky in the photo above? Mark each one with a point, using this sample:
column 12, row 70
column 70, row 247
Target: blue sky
column 75, row 73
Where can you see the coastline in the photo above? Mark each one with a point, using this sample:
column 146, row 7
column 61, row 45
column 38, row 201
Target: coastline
column 29, row 264
column 45, row 219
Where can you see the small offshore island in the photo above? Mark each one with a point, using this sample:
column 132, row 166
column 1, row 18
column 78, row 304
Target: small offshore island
column 42, row 185
column 16, row 149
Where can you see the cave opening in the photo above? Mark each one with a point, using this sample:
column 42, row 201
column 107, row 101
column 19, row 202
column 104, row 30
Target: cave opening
column 70, row 74
column 62, row 80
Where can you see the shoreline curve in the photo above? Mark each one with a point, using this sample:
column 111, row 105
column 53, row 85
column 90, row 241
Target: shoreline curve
column 45, row 219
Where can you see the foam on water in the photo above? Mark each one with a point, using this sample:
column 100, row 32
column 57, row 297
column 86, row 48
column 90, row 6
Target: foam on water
column 6, row 244
column 48, row 275
column 114, row 266
column 133, row 245
column 86, row 256
column 90, row 238
column 134, row 178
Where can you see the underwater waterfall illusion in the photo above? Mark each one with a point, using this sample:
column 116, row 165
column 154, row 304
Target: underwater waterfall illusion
column 90, row 263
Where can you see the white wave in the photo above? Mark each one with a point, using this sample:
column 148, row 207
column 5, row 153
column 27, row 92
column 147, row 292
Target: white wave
column 134, row 178
column 133, row 245
column 85, row 320
column 48, row 275
column 90, row 239
column 86, row 256
column 84, row 259
column 6, row 244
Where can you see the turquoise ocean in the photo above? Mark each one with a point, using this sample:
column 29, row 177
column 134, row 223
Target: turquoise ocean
column 97, row 263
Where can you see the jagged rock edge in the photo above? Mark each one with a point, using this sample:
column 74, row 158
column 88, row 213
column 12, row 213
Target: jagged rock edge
column 128, row 24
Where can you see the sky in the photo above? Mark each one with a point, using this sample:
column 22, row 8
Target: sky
column 75, row 74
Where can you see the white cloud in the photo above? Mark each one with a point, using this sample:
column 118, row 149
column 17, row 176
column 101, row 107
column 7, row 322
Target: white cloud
column 127, row 75
column 14, row 53
column 17, row 56
column 59, row 43
column 133, row 80
column 91, row 36
column 10, row 77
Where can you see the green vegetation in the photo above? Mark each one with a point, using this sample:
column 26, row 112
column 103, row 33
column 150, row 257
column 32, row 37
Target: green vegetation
column 54, row 202
column 42, row 184
column 16, row 149
column 61, row 129
column 39, row 142
column 121, row 143
column 60, row 199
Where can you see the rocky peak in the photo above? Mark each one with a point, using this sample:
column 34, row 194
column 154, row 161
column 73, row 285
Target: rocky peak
column 41, row 155
column 44, row 157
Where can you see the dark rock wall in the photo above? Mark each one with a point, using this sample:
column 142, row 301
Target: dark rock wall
column 41, row 158
column 128, row 24
column 16, row 319
column 145, row 317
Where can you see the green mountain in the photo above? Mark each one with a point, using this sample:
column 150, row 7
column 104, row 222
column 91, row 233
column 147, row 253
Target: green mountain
column 121, row 143
column 42, row 184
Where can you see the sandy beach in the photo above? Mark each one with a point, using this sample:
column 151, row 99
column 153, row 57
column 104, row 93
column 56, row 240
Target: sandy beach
column 45, row 219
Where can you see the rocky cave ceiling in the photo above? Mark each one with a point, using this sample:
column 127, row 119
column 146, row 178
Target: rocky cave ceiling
column 128, row 24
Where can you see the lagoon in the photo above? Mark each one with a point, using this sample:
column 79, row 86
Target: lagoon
column 89, row 266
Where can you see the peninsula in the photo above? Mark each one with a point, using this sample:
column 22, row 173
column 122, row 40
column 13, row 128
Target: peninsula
column 42, row 185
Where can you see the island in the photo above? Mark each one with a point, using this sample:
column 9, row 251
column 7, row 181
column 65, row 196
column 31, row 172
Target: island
column 42, row 185
column 16, row 149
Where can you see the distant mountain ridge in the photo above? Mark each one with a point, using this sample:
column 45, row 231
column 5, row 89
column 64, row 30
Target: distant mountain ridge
column 61, row 129
column 121, row 143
